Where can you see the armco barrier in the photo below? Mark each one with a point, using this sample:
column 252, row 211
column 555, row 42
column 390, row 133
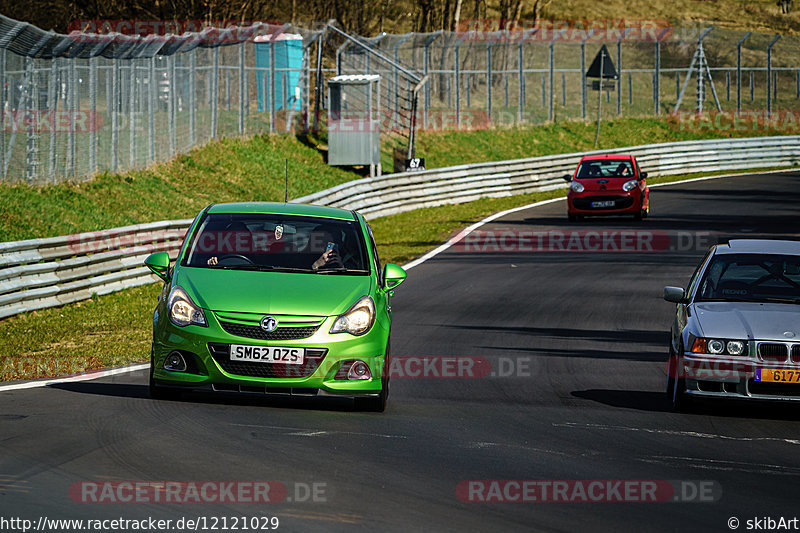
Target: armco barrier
column 395, row 193
column 40, row 273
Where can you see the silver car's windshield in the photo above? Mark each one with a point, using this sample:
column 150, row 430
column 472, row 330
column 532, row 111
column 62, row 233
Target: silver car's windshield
column 279, row 243
column 751, row 278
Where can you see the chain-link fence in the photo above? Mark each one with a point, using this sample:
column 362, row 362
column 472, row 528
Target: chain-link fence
column 536, row 75
column 75, row 105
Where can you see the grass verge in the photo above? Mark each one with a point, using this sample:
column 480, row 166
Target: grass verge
column 252, row 169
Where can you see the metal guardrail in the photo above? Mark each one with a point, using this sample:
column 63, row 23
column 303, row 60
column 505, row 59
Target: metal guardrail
column 40, row 273
column 396, row 193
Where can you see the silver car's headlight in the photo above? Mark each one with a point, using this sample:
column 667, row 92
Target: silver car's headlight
column 358, row 319
column 735, row 347
column 716, row 346
column 719, row 346
column 630, row 185
column 182, row 310
column 576, row 186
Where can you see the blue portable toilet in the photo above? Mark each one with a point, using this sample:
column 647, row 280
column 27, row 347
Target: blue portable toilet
column 284, row 91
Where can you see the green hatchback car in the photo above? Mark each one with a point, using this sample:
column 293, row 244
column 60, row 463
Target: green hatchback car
column 274, row 298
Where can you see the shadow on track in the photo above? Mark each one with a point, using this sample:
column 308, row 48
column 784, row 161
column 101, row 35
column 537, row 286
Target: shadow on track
column 122, row 390
column 657, row 402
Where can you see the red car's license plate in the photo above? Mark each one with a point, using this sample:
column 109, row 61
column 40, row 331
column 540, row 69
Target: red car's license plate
column 605, row 203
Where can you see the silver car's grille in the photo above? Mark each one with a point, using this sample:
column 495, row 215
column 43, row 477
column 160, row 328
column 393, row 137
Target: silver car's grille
column 796, row 353
column 770, row 351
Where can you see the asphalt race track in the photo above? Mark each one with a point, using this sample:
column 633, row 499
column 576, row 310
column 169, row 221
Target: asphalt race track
column 576, row 341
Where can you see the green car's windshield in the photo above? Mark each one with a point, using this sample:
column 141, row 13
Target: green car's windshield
column 279, row 243
column 751, row 278
column 605, row 168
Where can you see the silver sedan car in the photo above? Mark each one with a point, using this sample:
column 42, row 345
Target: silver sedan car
column 736, row 332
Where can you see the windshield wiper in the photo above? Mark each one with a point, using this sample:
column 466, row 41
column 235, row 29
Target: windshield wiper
column 340, row 270
column 241, row 267
column 782, row 300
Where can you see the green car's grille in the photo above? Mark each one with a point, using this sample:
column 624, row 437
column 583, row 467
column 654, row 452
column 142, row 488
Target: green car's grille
column 221, row 354
column 256, row 332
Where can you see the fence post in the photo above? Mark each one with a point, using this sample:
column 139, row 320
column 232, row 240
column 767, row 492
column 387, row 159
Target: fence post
column 152, row 98
column 739, row 71
column 769, row 73
column 427, row 97
column 657, row 80
column 521, row 75
column 214, row 94
column 551, row 111
column 583, row 78
column 272, row 106
column 192, row 97
column 2, row 117
column 114, row 114
column 70, row 83
column 241, row 88
column 52, row 104
column 619, row 73
column 93, row 107
column 458, row 87
column 171, row 105
column 489, row 81
column 132, row 114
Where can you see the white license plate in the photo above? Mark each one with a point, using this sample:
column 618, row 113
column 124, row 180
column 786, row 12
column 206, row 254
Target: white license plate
column 267, row 354
column 606, row 203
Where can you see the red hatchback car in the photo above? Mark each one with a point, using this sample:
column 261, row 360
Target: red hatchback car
column 608, row 185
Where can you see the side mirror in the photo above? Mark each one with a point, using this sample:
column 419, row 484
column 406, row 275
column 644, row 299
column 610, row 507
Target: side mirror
column 393, row 276
column 159, row 264
column 567, row 177
column 675, row 295
column 643, row 175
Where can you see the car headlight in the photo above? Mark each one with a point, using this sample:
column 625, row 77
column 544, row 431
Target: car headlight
column 182, row 310
column 630, row 185
column 576, row 186
column 735, row 347
column 358, row 319
column 715, row 346
column 719, row 346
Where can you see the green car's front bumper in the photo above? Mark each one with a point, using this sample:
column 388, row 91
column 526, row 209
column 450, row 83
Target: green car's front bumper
column 328, row 358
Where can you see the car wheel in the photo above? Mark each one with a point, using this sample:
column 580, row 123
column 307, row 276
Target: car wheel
column 638, row 216
column 158, row 392
column 572, row 218
column 678, row 400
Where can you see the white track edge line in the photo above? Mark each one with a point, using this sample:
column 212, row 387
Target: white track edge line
column 79, row 377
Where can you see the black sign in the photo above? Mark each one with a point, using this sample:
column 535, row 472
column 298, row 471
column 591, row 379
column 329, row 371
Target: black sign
column 609, row 72
column 413, row 165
